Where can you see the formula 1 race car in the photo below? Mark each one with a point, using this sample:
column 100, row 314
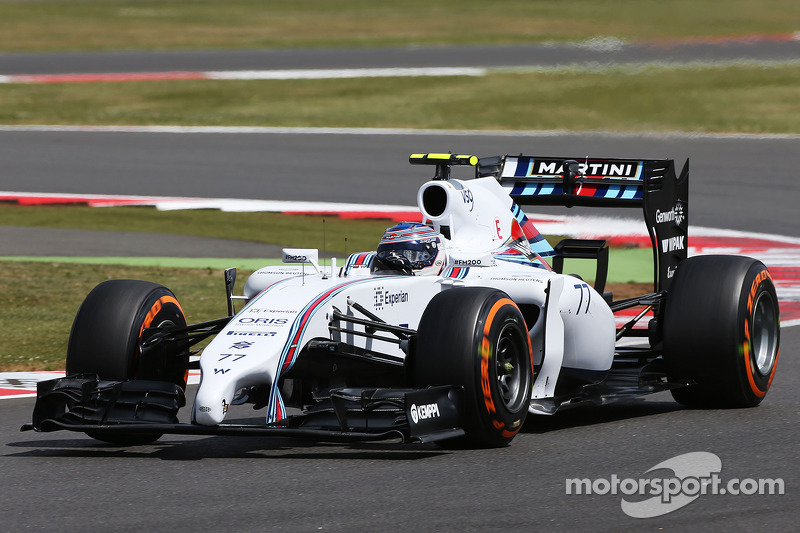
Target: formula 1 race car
column 454, row 329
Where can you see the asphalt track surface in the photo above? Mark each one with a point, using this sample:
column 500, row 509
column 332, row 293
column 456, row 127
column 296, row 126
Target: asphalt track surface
column 591, row 53
column 747, row 183
column 67, row 481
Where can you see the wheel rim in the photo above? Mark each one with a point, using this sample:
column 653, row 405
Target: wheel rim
column 164, row 372
column 510, row 365
column 764, row 336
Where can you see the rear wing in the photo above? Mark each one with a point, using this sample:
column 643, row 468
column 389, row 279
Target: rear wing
column 649, row 184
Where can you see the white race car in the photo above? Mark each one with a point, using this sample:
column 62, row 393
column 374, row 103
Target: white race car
column 458, row 326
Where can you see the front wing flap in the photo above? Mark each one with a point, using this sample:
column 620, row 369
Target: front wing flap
column 84, row 399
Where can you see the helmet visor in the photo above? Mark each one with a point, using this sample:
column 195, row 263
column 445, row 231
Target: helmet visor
column 420, row 255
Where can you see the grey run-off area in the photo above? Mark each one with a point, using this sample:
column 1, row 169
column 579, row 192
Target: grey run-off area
column 593, row 54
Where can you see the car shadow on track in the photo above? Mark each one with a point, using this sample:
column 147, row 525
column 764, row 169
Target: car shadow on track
column 588, row 415
column 195, row 448
column 181, row 448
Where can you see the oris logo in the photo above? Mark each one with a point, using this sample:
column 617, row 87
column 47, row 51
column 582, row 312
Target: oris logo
column 423, row 412
column 264, row 321
column 673, row 215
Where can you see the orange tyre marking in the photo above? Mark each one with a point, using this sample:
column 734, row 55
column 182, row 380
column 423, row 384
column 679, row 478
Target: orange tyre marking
column 153, row 312
column 156, row 308
column 763, row 275
column 486, row 353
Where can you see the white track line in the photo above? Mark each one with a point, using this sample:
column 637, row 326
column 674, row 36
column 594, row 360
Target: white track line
column 318, row 74
column 610, row 66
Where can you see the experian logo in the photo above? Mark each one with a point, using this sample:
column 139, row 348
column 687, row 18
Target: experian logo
column 384, row 298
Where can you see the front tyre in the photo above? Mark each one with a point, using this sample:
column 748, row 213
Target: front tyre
column 722, row 330
column 106, row 334
column 476, row 337
column 106, row 337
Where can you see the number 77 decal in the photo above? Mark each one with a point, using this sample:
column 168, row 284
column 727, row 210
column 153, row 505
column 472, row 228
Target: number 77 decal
column 588, row 291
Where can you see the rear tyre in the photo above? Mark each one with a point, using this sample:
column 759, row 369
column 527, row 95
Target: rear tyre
column 476, row 337
column 106, row 335
column 722, row 331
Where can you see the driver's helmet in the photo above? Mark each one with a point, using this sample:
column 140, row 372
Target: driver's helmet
column 413, row 245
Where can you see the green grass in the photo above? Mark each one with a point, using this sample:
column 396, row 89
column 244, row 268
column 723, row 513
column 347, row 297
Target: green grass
column 39, row 298
column 169, row 24
column 40, row 301
column 625, row 265
column 744, row 98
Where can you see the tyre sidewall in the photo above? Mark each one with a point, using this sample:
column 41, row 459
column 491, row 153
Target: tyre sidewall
column 752, row 383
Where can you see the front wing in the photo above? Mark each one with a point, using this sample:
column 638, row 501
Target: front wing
column 86, row 403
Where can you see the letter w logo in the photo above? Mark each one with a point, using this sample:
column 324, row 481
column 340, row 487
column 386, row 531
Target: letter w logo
column 221, row 370
column 672, row 244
